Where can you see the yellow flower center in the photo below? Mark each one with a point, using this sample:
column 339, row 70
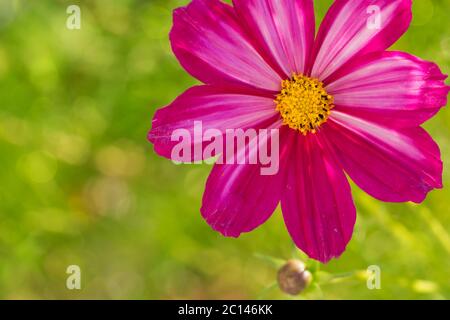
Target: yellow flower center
column 304, row 103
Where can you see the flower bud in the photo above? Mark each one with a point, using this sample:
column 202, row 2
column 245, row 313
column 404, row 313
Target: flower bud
column 293, row 278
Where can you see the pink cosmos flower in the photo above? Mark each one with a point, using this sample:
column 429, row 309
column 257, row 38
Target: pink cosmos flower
column 342, row 103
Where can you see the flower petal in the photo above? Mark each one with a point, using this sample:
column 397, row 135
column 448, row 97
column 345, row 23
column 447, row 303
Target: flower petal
column 209, row 43
column 394, row 165
column 390, row 87
column 238, row 198
column 355, row 27
column 216, row 108
column 317, row 204
column 284, row 30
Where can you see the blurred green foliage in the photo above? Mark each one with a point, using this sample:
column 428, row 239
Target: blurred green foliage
column 81, row 185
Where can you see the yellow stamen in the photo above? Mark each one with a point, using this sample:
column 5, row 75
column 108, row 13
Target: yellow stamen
column 304, row 103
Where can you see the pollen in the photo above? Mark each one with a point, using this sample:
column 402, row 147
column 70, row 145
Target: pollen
column 303, row 103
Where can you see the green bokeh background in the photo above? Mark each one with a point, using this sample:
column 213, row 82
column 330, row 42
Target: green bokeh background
column 81, row 185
